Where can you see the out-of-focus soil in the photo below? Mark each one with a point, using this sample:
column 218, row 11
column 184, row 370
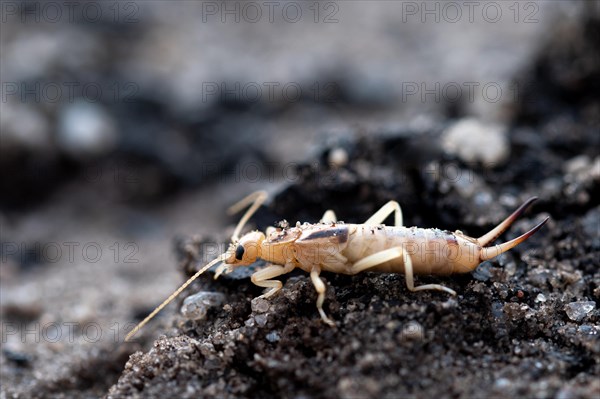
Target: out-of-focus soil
column 524, row 324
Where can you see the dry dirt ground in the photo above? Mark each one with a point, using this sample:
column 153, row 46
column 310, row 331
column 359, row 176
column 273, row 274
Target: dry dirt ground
column 525, row 324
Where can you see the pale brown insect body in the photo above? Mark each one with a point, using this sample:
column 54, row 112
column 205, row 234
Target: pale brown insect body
column 352, row 248
column 337, row 247
column 432, row 251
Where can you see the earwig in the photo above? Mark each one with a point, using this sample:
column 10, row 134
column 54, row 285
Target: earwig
column 352, row 248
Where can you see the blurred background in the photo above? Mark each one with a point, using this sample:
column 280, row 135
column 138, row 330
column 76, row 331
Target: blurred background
column 126, row 124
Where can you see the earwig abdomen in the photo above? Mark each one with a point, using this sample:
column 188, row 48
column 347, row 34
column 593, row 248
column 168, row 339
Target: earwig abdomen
column 432, row 251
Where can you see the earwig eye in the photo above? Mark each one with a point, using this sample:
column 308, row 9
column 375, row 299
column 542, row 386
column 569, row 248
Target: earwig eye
column 239, row 252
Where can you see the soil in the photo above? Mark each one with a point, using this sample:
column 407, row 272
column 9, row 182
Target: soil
column 508, row 332
column 524, row 324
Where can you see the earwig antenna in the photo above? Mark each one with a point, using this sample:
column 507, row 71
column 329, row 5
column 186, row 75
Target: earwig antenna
column 257, row 198
column 173, row 296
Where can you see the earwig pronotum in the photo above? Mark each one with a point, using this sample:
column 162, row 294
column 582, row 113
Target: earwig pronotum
column 352, row 248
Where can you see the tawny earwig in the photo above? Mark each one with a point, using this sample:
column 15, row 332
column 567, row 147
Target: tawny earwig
column 352, row 248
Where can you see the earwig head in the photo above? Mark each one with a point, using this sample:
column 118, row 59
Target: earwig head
column 246, row 251
column 242, row 252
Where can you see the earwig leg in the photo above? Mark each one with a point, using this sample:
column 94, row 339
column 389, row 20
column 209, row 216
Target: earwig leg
column 329, row 217
column 320, row 287
column 410, row 282
column 263, row 277
column 393, row 253
column 385, row 211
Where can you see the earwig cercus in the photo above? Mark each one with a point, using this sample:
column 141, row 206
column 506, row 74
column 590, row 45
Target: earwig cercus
column 352, row 248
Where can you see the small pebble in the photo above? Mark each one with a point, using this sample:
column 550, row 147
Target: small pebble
column 577, row 164
column 578, row 310
column 85, row 129
column 260, row 305
column 413, row 331
column 474, row 141
column 502, row 383
column 273, row 336
column 588, row 329
column 483, row 272
column 261, row 319
column 540, row 298
column 338, row 157
column 196, row 306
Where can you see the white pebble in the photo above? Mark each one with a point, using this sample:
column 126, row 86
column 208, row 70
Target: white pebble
column 196, row 306
column 502, row 383
column 474, row 141
column 540, row 298
column 338, row 157
column 413, row 331
column 578, row 310
column 86, row 128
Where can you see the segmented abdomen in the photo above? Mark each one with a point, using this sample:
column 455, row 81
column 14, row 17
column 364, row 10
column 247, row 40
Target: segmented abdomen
column 431, row 250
